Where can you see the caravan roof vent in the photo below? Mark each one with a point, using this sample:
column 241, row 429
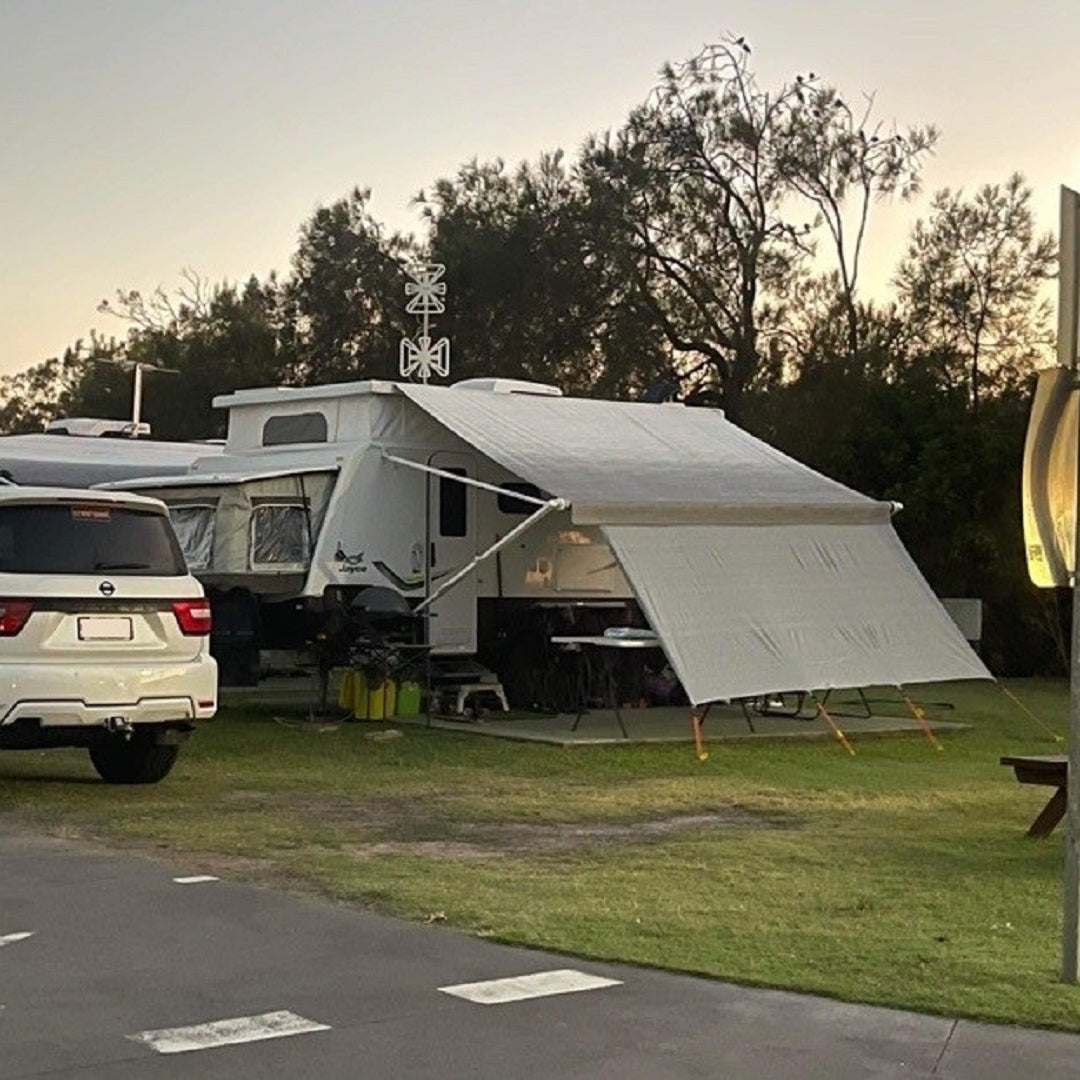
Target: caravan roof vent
column 509, row 386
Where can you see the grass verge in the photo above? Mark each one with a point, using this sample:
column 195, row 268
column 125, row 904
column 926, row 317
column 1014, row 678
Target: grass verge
column 901, row 876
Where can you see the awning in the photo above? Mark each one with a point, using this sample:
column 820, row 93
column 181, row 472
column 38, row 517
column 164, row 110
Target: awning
column 745, row 610
column 630, row 461
column 757, row 573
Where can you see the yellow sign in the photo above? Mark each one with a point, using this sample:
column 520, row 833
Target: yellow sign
column 1049, row 486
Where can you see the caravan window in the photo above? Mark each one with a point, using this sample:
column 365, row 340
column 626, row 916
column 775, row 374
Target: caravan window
column 453, row 505
column 279, row 536
column 194, row 525
column 291, row 428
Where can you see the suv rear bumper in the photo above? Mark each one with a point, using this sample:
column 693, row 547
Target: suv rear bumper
column 30, row 735
column 95, row 695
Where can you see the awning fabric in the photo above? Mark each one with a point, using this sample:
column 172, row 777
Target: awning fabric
column 743, row 610
column 637, row 462
column 757, row 573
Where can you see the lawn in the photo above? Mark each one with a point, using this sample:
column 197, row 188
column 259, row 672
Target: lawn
column 900, row 876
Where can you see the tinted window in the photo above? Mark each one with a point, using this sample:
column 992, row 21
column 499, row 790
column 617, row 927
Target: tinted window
column 509, row 505
column 194, row 526
column 294, row 428
column 90, row 538
column 453, row 505
column 279, row 537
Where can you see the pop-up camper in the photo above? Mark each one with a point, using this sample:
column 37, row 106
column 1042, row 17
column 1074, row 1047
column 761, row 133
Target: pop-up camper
column 491, row 502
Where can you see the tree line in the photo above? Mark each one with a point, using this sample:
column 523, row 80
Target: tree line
column 710, row 249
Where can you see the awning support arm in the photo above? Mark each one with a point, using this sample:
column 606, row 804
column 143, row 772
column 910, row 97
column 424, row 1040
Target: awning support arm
column 510, row 537
column 517, row 497
column 546, row 506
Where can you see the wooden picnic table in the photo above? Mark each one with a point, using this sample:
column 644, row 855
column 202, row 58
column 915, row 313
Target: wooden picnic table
column 1050, row 770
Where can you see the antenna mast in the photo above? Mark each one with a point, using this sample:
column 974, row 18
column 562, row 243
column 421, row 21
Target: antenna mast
column 423, row 357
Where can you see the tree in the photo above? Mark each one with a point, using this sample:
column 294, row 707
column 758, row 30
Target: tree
column 841, row 161
column 693, row 190
column 42, row 393
column 345, row 300
column 970, row 286
column 230, row 338
column 161, row 311
column 530, row 296
column 708, row 185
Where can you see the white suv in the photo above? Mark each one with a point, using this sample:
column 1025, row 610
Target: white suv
column 104, row 635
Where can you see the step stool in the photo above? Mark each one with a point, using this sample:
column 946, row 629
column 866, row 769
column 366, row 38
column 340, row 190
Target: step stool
column 466, row 690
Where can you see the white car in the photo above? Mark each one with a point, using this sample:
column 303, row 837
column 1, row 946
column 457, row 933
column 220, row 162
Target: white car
column 104, row 635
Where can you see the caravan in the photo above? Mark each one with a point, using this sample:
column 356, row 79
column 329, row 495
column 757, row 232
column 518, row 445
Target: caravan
column 494, row 513
column 328, row 499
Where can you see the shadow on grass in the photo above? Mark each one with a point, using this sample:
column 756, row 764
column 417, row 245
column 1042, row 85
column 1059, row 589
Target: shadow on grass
column 26, row 779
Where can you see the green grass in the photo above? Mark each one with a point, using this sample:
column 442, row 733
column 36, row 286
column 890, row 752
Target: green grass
column 900, row 876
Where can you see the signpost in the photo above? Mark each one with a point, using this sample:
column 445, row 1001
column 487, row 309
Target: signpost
column 1068, row 340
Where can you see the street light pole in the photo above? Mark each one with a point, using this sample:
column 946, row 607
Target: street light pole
column 136, row 400
column 136, row 367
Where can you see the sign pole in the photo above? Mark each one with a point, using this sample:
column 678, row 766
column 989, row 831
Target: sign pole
column 1068, row 310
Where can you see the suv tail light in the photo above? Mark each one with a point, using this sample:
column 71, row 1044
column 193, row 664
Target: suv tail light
column 193, row 615
column 13, row 616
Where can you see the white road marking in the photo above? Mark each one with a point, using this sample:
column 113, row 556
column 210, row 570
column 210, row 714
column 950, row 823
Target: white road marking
column 9, row 939
column 195, row 879
column 242, row 1029
column 542, row 984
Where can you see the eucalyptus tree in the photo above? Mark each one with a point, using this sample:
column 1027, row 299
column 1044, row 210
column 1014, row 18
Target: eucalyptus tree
column 691, row 192
column 842, row 161
column 715, row 193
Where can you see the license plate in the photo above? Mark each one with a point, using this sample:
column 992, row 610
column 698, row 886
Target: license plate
column 105, row 628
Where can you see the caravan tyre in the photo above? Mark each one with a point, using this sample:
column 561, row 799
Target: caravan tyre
column 138, row 760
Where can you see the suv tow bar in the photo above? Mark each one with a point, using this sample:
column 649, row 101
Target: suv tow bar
column 119, row 725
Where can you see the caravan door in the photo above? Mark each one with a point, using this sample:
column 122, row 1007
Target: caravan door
column 452, row 544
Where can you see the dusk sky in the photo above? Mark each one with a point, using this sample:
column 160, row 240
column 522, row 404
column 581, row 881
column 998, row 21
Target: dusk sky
column 142, row 137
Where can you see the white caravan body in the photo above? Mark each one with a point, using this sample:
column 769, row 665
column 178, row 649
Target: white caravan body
column 292, row 519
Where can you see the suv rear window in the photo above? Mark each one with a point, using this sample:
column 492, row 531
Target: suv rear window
column 87, row 538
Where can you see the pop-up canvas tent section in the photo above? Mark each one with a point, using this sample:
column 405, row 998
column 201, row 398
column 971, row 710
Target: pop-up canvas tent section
column 757, row 573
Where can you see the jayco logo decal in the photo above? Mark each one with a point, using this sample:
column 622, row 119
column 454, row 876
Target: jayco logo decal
column 350, row 564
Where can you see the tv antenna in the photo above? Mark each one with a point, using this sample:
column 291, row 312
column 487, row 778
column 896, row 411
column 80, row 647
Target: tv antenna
column 423, row 357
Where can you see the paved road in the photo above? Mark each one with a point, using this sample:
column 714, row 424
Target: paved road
column 119, row 952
